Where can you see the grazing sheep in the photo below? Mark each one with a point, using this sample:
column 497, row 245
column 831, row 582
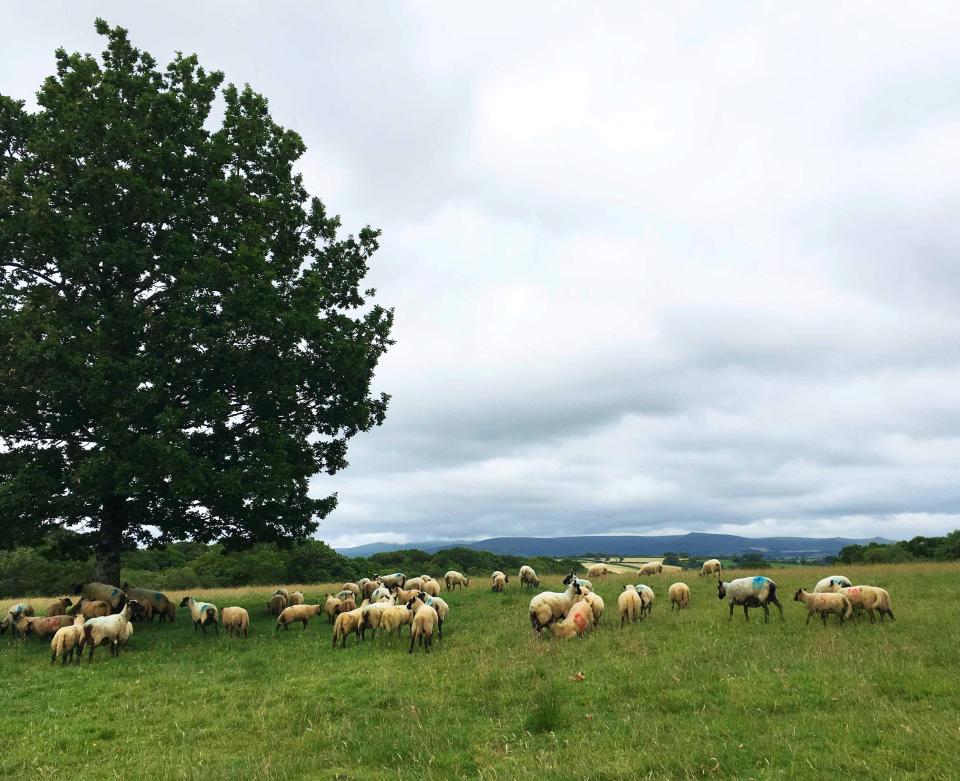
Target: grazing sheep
column 831, row 584
column 629, row 604
column 647, row 598
column 757, row 591
column 284, row 593
column 506, row 577
column 597, row 571
column 330, row 607
column 651, row 568
column 102, row 592
column 235, row 620
column 90, row 608
column 394, row 618
column 59, row 608
column 679, row 596
column 869, row 598
column 277, row 604
column 108, row 629
column 824, row 603
column 202, row 613
column 710, row 567
column 454, row 579
column 578, row 621
column 353, row 587
column 499, row 582
column 425, row 620
column 596, row 605
column 367, row 587
column 67, row 640
column 42, row 626
column 302, row 613
column 431, row 588
column 346, row 623
column 550, row 606
column 396, row 579
column 156, row 602
column 528, row 577
column 296, row 598
column 426, row 578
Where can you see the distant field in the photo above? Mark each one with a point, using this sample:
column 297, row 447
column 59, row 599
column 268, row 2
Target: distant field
column 684, row 695
column 630, row 565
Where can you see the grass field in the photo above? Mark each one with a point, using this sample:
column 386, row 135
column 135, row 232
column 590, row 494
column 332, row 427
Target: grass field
column 684, row 695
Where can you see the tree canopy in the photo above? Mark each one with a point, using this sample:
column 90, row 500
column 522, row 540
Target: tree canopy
column 184, row 336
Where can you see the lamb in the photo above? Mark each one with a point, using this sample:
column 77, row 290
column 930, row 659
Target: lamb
column 528, row 577
column 346, row 623
column 108, row 629
column 679, row 596
column 431, row 588
column 710, row 567
column 425, row 619
column 647, row 598
column 302, row 613
column 156, row 603
column 396, row 579
column 202, row 613
column 597, row 571
column 629, row 604
column 296, row 598
column 454, row 579
column 506, row 577
column 67, row 640
column 757, row 591
column 831, row 584
column 578, row 621
column 550, row 606
column 330, row 607
column 499, row 582
column 102, row 592
column 59, row 608
column 277, row 604
column 90, row 608
column 352, row 587
column 596, row 605
column 825, row 603
column 235, row 620
column 651, row 568
column 869, row 598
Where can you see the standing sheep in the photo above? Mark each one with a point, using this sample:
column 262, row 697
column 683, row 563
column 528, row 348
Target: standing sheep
column 296, row 598
column 647, row 598
column 596, row 606
column 355, row 588
column 425, row 619
column 301, row 613
column 235, row 620
column 413, row 584
column 550, row 606
column 831, row 584
column 629, row 604
column 396, row 579
column 757, row 591
column 597, row 571
column 440, row 605
column 102, row 592
column 330, row 607
column 431, row 588
column 346, row 623
column 824, row 603
column 578, row 621
column 156, row 602
column 679, row 596
column 202, row 613
column 59, row 608
column 108, row 629
column 651, row 568
column 869, row 598
column 90, row 608
column 395, row 617
column 710, row 567
column 277, row 604
column 499, row 582
column 367, row 587
column 528, row 577
column 454, row 579
column 14, row 614
column 66, row 641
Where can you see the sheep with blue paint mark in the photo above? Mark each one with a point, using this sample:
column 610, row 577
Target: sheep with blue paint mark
column 102, row 592
column 202, row 613
column 831, row 584
column 758, row 591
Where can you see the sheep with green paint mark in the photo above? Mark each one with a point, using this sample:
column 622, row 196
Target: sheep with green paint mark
column 102, row 592
column 202, row 614
column 157, row 603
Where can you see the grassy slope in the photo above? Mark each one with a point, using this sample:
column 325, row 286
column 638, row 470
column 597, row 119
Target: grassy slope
column 681, row 696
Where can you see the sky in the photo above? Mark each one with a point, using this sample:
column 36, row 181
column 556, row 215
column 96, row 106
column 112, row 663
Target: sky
column 656, row 268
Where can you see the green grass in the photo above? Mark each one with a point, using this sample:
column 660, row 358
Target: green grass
column 686, row 695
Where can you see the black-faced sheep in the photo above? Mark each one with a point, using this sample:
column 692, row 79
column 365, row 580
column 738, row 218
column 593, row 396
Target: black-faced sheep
column 550, row 606
column 202, row 614
column 758, row 591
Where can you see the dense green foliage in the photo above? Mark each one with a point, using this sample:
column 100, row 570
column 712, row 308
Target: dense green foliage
column 918, row 549
column 680, row 696
column 184, row 339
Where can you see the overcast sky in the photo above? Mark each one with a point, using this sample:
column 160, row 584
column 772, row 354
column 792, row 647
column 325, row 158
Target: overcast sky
column 653, row 271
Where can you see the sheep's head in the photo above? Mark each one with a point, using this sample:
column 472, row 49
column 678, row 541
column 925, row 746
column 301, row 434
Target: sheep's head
column 721, row 590
column 136, row 609
column 797, row 597
column 185, row 601
column 410, row 603
column 572, row 576
column 126, row 585
column 576, row 588
column 66, row 601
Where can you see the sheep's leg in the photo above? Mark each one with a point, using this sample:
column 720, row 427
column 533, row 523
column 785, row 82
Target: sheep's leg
column 809, row 616
column 305, row 622
column 731, row 612
column 53, row 657
column 413, row 639
column 766, row 613
column 890, row 613
column 870, row 613
column 90, row 655
column 440, row 629
column 746, row 614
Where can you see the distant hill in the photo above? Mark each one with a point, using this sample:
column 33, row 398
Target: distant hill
column 697, row 544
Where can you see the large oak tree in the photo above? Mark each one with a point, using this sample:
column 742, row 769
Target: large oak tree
column 184, row 337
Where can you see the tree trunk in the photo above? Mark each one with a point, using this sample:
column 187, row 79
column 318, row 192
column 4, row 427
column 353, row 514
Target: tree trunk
column 109, row 540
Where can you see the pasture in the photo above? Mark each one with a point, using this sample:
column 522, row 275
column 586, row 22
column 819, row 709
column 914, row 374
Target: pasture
column 682, row 695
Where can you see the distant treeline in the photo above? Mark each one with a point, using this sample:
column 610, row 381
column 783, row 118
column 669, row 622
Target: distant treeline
column 918, row 549
column 64, row 558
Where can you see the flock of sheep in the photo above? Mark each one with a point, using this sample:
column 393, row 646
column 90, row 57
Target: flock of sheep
column 104, row 614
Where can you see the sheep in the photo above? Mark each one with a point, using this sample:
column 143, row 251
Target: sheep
column 425, row 619
column 596, row 605
column 651, row 568
column 235, row 620
column 431, row 588
column 371, row 615
column 102, row 592
column 202, row 613
column 440, row 605
column 396, row 579
column 679, row 596
column 578, row 621
column 302, row 613
column 156, row 602
column 283, row 592
column 90, row 608
column 395, row 617
column 499, row 582
column 59, row 608
column 550, row 606
column 296, row 598
column 710, row 567
column 346, row 605
column 506, row 577
column 528, row 577
column 353, row 587
column 413, row 584
column 454, row 579
column 42, row 626
column 66, row 641
column 108, row 629
column 647, row 598
column 426, row 578
column 629, row 604
column 127, row 634
column 584, row 584
column 597, row 571
column 825, row 603
column 380, row 594
column 367, row 587
column 277, row 604
column 757, row 591
column 869, row 598
column 330, row 607
column 831, row 584
column 346, row 623
column 345, row 594
column 16, row 611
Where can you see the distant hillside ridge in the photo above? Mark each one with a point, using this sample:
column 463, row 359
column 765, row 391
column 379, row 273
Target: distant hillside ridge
column 696, row 544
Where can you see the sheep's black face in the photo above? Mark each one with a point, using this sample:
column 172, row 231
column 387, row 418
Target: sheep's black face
column 570, row 577
column 796, row 597
column 721, row 591
column 185, row 601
